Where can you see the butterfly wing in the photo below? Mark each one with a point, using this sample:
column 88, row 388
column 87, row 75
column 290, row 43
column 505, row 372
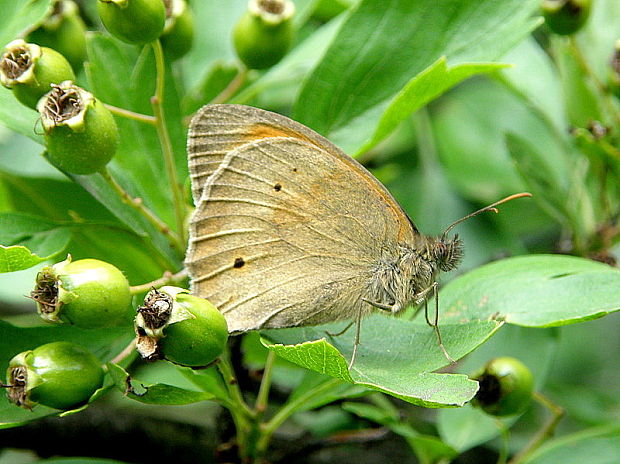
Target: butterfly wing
column 287, row 227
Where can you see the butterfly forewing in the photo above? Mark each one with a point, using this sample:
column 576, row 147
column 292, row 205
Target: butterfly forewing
column 286, row 228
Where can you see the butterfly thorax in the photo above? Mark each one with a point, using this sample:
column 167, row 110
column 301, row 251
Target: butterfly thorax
column 405, row 278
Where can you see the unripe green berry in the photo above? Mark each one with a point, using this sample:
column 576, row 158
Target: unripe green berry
column 87, row 293
column 64, row 31
column 178, row 33
column 133, row 21
column 29, row 70
column 506, row 387
column 566, row 17
column 264, row 34
column 180, row 327
column 80, row 132
column 59, row 375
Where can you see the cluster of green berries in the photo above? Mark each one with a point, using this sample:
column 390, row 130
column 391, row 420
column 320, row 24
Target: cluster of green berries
column 80, row 132
column 171, row 324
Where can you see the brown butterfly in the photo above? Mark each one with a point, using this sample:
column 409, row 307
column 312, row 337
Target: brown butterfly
column 290, row 231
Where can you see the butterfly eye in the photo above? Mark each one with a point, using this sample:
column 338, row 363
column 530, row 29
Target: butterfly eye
column 449, row 253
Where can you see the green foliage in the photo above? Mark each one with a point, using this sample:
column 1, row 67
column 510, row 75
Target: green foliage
column 452, row 105
column 156, row 393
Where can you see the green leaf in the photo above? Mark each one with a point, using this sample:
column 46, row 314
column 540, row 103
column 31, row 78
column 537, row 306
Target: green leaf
column 208, row 380
column 597, row 445
column 544, row 181
column 17, row 258
column 18, row 17
column 57, row 203
column 382, row 46
column 138, row 161
column 423, row 88
column 104, row 343
column 534, row 79
column 138, row 164
column 54, row 199
column 43, row 237
column 218, row 77
column 12, row 416
column 311, row 381
column 399, row 364
column 428, row 449
column 18, row 117
column 157, row 393
column 580, row 94
column 534, row 291
column 212, row 40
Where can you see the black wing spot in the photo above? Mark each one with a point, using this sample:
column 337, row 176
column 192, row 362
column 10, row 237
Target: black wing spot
column 239, row 262
column 277, row 187
column 294, row 169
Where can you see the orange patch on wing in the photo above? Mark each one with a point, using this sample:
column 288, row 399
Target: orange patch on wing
column 262, row 131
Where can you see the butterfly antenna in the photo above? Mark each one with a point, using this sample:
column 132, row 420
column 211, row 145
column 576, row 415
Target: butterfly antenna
column 491, row 207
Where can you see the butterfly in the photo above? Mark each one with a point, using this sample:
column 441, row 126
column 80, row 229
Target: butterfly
column 290, row 231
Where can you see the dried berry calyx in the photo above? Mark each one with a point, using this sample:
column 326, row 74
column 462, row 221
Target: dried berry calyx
column 156, row 310
column 179, row 327
column 80, row 132
column 17, row 386
column 29, row 70
column 46, row 295
column 87, row 293
column 60, row 375
column 64, row 104
column 17, row 63
column 264, row 34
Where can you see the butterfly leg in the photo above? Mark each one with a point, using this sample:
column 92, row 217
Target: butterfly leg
column 358, row 324
column 435, row 324
column 338, row 334
column 391, row 308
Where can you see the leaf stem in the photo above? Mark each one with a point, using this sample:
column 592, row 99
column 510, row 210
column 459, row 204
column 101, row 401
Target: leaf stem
column 157, row 102
column 505, row 437
column 233, row 86
column 289, row 409
column 145, row 118
column 557, row 412
column 263, row 393
column 138, row 205
column 167, row 278
column 123, row 354
column 243, row 417
column 230, row 380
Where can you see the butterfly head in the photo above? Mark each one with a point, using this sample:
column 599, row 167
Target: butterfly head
column 448, row 252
